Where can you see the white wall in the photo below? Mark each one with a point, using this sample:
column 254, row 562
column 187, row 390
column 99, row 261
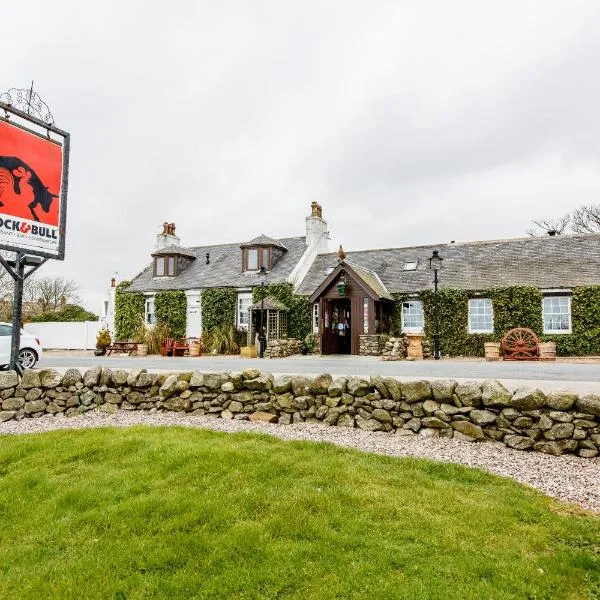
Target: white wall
column 65, row 336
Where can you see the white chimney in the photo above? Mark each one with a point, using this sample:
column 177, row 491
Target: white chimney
column 317, row 235
column 316, row 230
column 167, row 237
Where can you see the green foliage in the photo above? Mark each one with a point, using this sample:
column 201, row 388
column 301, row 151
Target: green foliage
column 103, row 339
column 154, row 336
column 171, row 310
column 176, row 512
column 585, row 321
column 299, row 307
column 222, row 340
column 70, row 312
column 129, row 307
column 515, row 306
column 218, row 309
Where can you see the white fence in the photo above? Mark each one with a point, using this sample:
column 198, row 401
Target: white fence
column 65, row 336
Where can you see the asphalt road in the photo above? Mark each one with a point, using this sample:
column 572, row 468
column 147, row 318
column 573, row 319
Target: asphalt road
column 513, row 373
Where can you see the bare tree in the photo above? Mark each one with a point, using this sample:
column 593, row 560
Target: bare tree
column 545, row 226
column 586, row 219
column 53, row 292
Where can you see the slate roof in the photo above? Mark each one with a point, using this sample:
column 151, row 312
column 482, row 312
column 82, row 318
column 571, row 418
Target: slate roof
column 175, row 250
column 264, row 240
column 224, row 270
column 562, row 261
column 371, row 279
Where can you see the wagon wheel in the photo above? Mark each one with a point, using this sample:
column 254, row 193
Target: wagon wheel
column 520, row 343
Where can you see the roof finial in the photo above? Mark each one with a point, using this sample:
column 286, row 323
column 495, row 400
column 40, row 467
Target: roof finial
column 341, row 254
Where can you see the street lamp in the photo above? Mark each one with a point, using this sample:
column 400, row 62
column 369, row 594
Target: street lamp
column 262, row 340
column 435, row 264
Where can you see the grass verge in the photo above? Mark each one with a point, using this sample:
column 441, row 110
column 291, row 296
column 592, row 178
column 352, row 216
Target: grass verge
column 183, row 513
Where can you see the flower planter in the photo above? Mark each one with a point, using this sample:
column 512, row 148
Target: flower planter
column 492, row 351
column 99, row 351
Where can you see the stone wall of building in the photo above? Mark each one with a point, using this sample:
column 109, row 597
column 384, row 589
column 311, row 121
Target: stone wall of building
column 526, row 419
column 283, row 348
column 369, row 344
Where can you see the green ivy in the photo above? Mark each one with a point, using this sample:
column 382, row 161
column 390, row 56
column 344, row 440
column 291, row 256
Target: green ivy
column 219, row 307
column 171, row 309
column 129, row 309
column 515, row 306
column 299, row 307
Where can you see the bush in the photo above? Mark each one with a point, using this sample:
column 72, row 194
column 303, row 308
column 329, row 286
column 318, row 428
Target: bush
column 103, row 340
column 69, row 313
column 129, row 308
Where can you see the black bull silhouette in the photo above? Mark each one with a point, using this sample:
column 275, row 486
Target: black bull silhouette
column 13, row 174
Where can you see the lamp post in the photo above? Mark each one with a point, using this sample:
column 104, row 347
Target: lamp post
column 262, row 340
column 435, row 264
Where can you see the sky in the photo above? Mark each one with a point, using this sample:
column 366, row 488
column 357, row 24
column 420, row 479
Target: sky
column 411, row 122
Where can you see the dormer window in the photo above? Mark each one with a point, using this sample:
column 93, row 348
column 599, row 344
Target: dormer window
column 255, row 258
column 260, row 252
column 165, row 266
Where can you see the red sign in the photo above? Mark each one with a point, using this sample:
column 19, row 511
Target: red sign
column 31, row 169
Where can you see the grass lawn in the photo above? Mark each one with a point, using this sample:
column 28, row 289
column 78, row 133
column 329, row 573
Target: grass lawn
column 183, row 513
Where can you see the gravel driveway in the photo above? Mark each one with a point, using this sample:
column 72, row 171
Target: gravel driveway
column 568, row 478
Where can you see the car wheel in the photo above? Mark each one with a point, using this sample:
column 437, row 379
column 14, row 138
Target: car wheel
column 27, row 358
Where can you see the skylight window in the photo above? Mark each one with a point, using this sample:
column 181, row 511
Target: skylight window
column 411, row 265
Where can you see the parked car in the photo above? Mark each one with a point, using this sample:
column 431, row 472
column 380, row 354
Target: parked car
column 30, row 350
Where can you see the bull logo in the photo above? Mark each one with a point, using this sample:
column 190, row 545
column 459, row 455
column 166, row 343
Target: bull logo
column 20, row 185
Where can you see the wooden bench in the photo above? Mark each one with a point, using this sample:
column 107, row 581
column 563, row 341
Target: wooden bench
column 124, row 347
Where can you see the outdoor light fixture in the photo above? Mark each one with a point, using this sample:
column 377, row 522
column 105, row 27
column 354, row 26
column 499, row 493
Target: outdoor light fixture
column 262, row 338
column 435, row 264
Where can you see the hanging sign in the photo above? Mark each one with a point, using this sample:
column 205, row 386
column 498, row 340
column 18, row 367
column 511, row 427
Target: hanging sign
column 33, row 186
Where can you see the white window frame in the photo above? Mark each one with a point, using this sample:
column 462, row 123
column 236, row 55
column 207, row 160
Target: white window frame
column 244, row 298
column 472, row 329
column 557, row 331
column 315, row 316
column 406, row 329
column 149, row 316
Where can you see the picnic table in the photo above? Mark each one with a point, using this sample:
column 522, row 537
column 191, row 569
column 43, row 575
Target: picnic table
column 125, row 347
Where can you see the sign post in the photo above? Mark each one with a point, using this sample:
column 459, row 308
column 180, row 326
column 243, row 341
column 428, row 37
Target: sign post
column 34, row 168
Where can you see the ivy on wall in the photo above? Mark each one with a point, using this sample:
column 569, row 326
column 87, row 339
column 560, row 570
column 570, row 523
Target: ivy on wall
column 129, row 309
column 218, row 308
column 515, row 306
column 299, row 307
column 171, row 309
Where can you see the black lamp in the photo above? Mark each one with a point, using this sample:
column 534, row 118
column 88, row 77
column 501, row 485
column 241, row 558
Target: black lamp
column 435, row 264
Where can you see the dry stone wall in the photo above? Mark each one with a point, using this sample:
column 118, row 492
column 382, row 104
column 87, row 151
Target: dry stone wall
column 527, row 419
column 283, row 348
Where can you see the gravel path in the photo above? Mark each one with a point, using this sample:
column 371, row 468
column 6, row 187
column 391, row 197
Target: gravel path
column 568, row 478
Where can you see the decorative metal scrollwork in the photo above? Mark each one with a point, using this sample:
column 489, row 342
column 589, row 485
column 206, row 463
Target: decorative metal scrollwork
column 29, row 102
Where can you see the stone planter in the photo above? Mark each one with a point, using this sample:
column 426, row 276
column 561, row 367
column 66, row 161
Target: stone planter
column 492, row 351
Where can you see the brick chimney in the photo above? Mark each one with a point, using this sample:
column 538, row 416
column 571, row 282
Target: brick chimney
column 167, row 237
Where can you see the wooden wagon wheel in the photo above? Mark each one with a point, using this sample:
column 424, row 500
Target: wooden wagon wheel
column 521, row 344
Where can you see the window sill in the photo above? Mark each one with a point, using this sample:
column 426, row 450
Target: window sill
column 559, row 332
column 481, row 332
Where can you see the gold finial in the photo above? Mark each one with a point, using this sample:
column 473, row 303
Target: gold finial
column 341, row 254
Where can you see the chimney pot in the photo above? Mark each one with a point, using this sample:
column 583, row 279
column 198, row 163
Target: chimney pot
column 113, row 282
column 552, row 232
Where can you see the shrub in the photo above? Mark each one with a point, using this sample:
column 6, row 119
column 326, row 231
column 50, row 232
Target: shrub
column 103, row 340
column 68, row 313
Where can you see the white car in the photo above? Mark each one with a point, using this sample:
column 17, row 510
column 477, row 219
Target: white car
column 30, row 350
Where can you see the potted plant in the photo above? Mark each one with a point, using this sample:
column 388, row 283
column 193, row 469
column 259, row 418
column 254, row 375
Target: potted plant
column 103, row 341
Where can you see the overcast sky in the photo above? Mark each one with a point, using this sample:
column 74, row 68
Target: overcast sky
column 411, row 122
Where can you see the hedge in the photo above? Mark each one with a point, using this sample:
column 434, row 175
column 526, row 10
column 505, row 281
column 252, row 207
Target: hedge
column 299, row 307
column 171, row 309
column 515, row 306
column 69, row 313
column 129, row 312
